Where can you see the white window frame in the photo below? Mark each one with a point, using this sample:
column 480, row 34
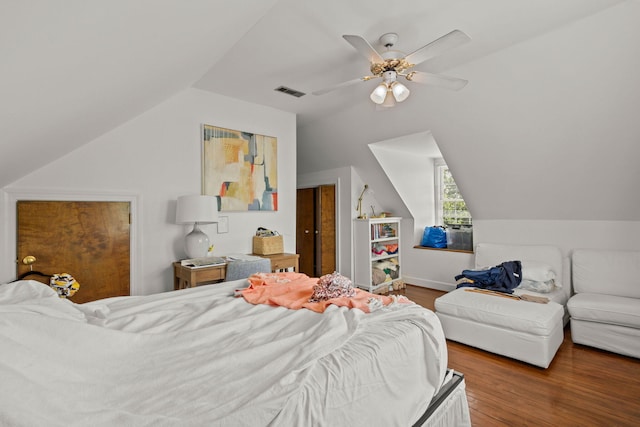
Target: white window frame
column 439, row 165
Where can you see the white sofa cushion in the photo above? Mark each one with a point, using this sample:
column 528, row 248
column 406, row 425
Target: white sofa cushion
column 506, row 313
column 606, row 272
column 610, row 309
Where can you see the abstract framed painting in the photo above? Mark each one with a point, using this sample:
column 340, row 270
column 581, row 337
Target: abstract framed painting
column 240, row 169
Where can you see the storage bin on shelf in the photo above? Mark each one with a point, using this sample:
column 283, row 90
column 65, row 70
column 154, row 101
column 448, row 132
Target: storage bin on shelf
column 268, row 245
column 460, row 238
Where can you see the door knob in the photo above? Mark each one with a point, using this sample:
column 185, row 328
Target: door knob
column 306, row 231
column 28, row 260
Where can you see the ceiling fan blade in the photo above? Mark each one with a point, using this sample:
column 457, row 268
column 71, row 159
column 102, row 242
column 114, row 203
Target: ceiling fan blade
column 363, row 46
column 450, row 40
column 446, row 82
column 341, row 85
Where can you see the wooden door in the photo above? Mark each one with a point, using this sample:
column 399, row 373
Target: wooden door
column 316, row 230
column 305, row 230
column 89, row 240
column 326, row 226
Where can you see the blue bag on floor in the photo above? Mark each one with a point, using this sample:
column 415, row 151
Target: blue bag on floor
column 434, row 237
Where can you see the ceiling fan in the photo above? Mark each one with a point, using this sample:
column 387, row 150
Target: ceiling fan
column 391, row 64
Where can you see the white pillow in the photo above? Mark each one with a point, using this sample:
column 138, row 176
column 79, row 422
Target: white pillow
column 537, row 272
column 542, row 287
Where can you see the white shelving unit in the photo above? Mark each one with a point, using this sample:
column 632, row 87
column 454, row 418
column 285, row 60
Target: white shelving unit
column 370, row 234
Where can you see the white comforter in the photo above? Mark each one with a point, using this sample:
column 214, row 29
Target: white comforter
column 200, row 357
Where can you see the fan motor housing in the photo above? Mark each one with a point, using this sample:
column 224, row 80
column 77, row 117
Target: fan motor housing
column 388, row 40
column 397, row 65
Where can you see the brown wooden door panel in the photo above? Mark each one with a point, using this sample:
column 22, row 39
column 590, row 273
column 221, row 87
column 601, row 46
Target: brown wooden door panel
column 305, row 230
column 326, row 221
column 316, row 230
column 89, row 240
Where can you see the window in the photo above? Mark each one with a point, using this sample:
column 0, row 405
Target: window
column 451, row 210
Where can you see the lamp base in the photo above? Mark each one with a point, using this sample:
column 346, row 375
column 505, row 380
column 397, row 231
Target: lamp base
column 196, row 243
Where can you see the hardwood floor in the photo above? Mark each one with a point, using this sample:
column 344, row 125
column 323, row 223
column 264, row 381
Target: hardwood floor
column 583, row 386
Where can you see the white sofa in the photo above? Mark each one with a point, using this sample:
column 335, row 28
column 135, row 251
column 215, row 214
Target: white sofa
column 522, row 330
column 605, row 310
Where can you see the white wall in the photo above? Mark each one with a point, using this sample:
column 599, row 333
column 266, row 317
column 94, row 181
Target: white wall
column 567, row 235
column 412, row 176
column 154, row 158
column 437, row 269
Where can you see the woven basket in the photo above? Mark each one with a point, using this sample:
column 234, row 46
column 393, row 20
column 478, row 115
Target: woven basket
column 268, row 245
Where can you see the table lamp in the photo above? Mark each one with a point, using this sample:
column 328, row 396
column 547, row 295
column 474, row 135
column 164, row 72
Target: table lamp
column 196, row 210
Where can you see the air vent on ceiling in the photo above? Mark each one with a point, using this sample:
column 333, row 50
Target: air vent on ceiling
column 290, row 91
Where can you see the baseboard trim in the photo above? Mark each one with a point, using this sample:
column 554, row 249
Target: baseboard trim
column 431, row 284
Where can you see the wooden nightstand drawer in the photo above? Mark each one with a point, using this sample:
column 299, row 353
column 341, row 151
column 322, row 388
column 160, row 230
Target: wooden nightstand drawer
column 283, row 261
column 186, row 277
column 210, row 274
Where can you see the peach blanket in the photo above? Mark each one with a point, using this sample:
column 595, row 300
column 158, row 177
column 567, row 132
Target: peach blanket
column 293, row 290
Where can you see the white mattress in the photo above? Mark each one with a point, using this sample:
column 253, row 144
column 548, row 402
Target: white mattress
column 202, row 357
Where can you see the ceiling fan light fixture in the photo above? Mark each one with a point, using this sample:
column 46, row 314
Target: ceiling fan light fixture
column 379, row 94
column 392, row 63
column 389, row 100
column 400, row 91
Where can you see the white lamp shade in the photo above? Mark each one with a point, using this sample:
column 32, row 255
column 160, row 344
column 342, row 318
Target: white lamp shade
column 197, row 209
column 389, row 100
column 379, row 93
column 400, row 91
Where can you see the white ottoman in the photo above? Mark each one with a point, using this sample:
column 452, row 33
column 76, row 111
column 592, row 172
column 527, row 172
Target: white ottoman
column 522, row 330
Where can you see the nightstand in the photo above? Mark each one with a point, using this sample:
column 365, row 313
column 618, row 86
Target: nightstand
column 282, row 262
column 188, row 277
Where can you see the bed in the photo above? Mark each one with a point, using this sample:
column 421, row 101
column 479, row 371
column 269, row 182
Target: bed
column 202, row 356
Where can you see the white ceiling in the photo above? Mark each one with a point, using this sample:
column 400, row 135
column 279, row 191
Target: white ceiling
column 74, row 70
column 299, row 44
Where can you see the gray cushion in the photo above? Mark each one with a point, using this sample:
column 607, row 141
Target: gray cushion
column 239, row 269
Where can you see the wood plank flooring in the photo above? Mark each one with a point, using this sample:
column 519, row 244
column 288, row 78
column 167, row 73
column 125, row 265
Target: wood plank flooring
column 583, row 386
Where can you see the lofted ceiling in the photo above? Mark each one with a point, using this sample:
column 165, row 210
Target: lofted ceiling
column 75, row 70
column 299, row 44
